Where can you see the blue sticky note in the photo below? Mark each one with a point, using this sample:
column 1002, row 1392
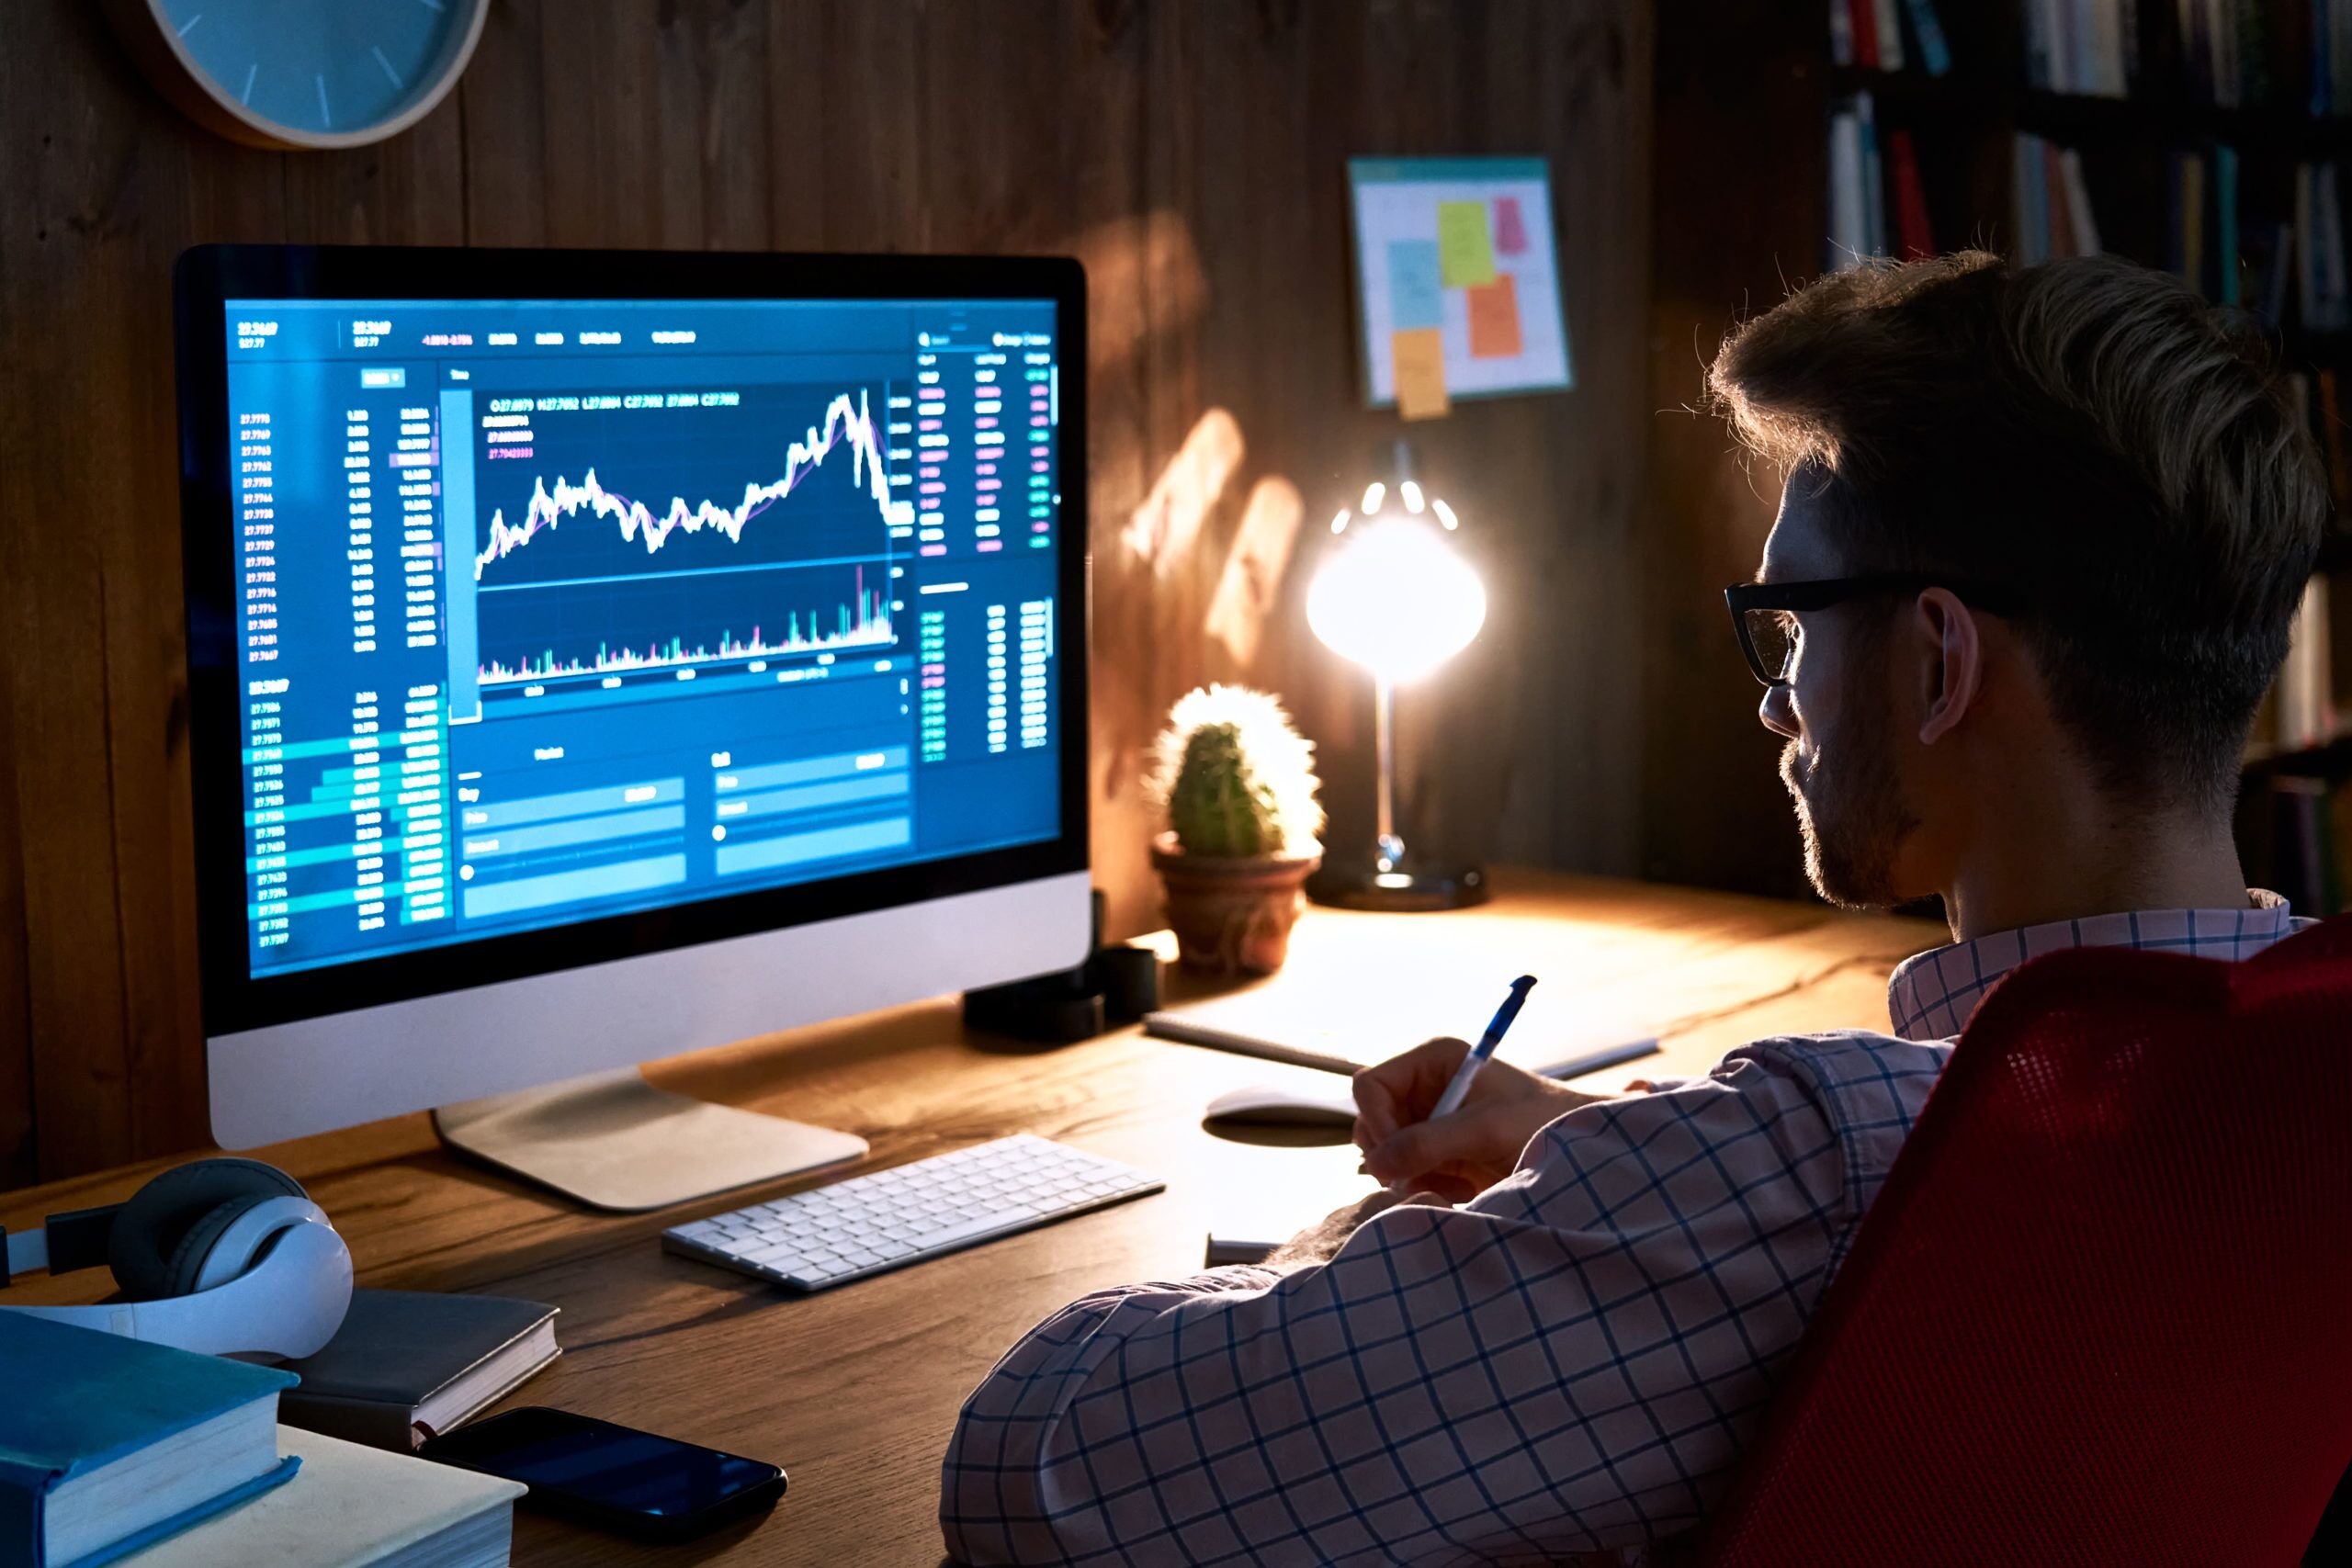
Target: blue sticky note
column 1416, row 294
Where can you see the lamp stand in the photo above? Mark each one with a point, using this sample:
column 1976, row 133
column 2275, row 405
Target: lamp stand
column 1388, row 878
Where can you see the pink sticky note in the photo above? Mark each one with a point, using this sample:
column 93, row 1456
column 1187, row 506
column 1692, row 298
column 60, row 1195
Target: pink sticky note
column 1511, row 228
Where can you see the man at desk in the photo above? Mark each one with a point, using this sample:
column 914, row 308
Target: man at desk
column 2042, row 535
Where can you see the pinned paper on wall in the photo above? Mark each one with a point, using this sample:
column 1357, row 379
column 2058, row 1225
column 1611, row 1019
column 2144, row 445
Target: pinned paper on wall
column 1511, row 228
column 1456, row 252
column 1419, row 356
column 1494, row 319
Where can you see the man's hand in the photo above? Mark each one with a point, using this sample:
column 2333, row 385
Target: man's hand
column 1322, row 1242
column 1467, row 1151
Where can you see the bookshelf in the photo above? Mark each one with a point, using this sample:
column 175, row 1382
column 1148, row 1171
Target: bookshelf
column 2209, row 162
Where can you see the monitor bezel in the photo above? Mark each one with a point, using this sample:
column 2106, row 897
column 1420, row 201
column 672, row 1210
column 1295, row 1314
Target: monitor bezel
column 207, row 278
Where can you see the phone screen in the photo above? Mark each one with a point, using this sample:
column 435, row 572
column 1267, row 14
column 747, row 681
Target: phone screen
column 602, row 1465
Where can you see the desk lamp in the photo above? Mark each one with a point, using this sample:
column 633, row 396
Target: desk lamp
column 1397, row 598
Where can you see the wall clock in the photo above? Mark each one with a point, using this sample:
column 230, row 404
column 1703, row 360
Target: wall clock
column 302, row 73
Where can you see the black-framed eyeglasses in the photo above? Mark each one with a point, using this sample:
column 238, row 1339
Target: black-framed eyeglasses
column 1764, row 614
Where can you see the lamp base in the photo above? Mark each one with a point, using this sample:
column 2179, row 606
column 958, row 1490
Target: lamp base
column 1360, row 882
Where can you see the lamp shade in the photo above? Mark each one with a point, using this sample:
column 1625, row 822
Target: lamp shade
column 1397, row 598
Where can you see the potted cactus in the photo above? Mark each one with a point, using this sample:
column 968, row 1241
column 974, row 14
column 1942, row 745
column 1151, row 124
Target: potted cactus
column 1238, row 785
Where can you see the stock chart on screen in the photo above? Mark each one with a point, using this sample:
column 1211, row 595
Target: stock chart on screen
column 553, row 610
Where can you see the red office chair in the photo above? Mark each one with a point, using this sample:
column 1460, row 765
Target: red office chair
column 2101, row 1312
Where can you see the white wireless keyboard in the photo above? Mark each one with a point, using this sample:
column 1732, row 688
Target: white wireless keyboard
column 829, row 1235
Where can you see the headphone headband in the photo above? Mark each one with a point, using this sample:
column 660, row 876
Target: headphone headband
column 220, row 1256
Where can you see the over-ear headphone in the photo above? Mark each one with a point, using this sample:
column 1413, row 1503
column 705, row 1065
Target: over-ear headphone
column 223, row 1257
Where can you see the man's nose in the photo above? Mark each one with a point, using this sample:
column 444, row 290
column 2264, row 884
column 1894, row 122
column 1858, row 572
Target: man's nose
column 1778, row 712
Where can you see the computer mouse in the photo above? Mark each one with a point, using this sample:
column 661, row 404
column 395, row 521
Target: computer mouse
column 1269, row 1105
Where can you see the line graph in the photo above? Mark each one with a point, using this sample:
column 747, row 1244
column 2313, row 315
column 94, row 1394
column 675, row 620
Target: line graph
column 845, row 421
column 774, row 540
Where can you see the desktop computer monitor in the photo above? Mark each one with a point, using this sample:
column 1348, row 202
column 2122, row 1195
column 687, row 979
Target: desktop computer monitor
column 598, row 655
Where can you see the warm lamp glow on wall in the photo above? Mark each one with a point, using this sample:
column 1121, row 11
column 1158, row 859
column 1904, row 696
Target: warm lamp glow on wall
column 1395, row 597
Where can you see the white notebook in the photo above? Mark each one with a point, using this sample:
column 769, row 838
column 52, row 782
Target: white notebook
column 1300, row 1024
column 350, row 1506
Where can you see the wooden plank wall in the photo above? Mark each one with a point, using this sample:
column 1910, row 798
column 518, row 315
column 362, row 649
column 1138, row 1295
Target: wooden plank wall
column 1189, row 150
column 1740, row 162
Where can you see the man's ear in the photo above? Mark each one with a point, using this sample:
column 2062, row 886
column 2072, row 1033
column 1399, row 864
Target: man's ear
column 1952, row 661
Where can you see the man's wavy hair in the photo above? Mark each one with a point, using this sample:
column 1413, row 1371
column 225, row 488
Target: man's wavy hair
column 2089, row 432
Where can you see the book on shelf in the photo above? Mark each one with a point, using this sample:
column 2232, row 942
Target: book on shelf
column 1887, row 34
column 1857, row 215
column 1918, row 237
column 1863, row 21
column 1888, row 22
column 2225, row 225
column 2053, row 201
column 2081, row 46
column 2324, row 297
column 1928, row 33
column 2305, row 692
column 2330, row 425
column 2266, row 255
column 107, row 1443
column 354, row 1506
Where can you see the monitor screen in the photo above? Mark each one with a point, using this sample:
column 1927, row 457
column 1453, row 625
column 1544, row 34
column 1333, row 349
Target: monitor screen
column 548, row 612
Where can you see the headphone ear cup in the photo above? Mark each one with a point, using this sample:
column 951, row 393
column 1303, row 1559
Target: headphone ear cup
column 194, row 1245
column 144, row 1247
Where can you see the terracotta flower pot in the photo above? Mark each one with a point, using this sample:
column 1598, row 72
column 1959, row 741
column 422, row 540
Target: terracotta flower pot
column 1232, row 916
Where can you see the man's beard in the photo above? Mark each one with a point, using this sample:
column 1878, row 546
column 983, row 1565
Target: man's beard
column 1851, row 817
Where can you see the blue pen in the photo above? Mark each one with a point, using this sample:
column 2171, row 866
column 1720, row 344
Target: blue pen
column 1450, row 1100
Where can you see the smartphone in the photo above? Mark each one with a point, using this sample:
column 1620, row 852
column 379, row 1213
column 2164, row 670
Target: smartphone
column 614, row 1477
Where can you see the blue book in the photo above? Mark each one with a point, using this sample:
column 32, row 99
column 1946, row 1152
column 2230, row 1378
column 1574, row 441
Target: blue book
column 108, row 1444
column 1934, row 52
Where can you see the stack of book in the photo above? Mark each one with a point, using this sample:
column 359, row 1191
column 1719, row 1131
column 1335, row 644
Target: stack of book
column 1863, row 212
column 2319, row 398
column 2325, row 299
column 1870, row 34
column 2269, row 54
column 2084, row 46
column 116, row 1451
column 2053, row 205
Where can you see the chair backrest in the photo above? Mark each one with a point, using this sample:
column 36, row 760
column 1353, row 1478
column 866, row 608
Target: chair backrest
column 2101, row 1311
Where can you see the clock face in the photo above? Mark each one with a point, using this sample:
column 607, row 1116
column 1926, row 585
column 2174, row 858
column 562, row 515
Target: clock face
column 323, row 71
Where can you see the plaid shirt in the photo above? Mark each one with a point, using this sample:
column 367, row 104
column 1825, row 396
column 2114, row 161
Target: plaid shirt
column 1570, row 1363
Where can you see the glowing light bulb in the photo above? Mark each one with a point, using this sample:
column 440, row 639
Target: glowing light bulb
column 1412, row 494
column 1396, row 599
column 1374, row 493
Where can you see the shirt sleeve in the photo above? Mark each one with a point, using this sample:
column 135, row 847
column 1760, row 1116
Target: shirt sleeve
column 1570, row 1362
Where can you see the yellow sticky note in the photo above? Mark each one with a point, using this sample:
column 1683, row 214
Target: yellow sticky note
column 1419, row 359
column 1466, row 248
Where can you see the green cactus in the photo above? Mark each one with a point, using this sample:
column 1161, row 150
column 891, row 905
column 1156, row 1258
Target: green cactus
column 1215, row 808
column 1238, row 782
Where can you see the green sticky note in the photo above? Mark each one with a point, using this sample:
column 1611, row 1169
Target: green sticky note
column 1464, row 247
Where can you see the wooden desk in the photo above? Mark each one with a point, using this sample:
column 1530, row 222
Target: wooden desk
column 854, row 1391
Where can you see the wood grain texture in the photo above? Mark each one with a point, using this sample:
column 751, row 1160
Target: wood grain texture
column 854, row 1391
column 1740, row 166
column 1192, row 153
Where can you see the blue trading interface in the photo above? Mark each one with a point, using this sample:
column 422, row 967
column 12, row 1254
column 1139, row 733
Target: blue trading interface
column 551, row 610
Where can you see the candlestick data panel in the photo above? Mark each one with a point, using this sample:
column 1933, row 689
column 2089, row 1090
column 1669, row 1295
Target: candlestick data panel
column 547, row 611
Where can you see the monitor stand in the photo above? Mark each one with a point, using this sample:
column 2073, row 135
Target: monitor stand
column 613, row 1141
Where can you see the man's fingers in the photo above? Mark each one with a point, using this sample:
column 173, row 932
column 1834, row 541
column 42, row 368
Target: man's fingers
column 1415, row 1151
column 1403, row 1088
